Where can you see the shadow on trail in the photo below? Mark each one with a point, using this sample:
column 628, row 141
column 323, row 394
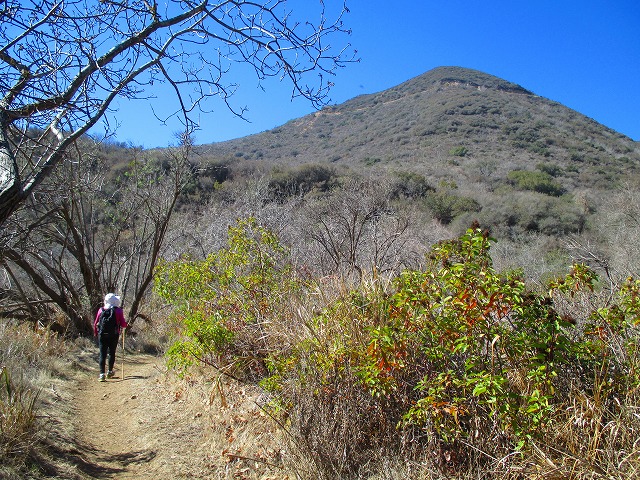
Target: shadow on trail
column 118, row 378
column 135, row 377
column 128, row 458
column 88, row 460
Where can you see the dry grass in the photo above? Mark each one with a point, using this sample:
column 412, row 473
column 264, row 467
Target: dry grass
column 596, row 436
column 30, row 363
column 17, row 417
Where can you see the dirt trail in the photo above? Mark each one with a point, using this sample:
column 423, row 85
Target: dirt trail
column 137, row 428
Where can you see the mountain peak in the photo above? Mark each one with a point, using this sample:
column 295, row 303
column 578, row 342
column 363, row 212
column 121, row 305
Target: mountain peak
column 448, row 77
column 469, row 77
column 438, row 80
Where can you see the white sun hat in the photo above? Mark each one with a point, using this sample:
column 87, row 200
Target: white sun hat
column 111, row 300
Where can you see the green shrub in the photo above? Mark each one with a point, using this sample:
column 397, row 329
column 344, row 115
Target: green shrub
column 483, row 351
column 410, row 185
column 224, row 301
column 371, row 161
column 537, row 181
column 446, row 206
column 455, row 360
column 458, row 151
column 218, row 171
column 550, row 168
column 532, row 212
column 539, row 149
column 302, row 180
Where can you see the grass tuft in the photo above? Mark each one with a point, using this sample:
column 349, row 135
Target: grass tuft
column 17, row 417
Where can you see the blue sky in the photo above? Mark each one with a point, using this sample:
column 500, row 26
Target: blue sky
column 584, row 54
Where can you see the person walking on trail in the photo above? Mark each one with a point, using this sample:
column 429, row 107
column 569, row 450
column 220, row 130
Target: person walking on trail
column 106, row 327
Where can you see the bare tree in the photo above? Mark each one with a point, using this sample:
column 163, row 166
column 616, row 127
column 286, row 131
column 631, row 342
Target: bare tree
column 357, row 230
column 62, row 64
column 203, row 229
column 86, row 233
column 618, row 230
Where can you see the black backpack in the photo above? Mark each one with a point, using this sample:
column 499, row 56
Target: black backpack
column 107, row 323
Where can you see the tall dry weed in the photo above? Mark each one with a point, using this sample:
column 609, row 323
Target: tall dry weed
column 25, row 355
column 17, row 418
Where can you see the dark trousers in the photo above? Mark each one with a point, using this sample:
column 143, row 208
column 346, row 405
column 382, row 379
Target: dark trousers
column 108, row 344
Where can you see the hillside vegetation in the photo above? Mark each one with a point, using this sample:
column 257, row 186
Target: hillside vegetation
column 485, row 147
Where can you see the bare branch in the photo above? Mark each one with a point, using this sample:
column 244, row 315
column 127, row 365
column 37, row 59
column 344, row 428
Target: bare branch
column 62, row 64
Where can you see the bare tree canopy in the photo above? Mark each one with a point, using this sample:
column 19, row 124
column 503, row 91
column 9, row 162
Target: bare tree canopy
column 62, row 64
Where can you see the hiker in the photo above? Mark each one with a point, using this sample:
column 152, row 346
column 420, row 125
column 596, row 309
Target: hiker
column 107, row 325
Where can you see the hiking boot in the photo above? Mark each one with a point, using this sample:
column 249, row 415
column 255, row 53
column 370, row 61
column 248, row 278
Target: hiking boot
column 102, row 378
column 110, row 374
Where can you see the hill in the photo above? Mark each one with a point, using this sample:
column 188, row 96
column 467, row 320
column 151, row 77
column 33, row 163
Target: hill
column 452, row 123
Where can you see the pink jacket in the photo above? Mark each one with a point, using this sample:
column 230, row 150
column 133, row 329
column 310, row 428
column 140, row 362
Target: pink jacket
column 122, row 323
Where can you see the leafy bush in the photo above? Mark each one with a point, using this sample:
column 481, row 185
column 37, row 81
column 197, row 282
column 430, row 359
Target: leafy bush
column 302, row 180
column 457, row 359
column 551, row 168
column 410, row 185
column 371, row 161
column 537, row 181
column 478, row 349
column 522, row 212
column 339, row 425
column 458, row 151
column 446, row 206
column 225, row 302
column 218, row 171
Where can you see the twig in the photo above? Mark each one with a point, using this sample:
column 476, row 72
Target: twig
column 241, row 457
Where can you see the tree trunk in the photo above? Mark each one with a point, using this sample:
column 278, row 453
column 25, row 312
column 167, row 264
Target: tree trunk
column 11, row 194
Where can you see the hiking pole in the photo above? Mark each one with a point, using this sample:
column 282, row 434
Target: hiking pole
column 124, row 331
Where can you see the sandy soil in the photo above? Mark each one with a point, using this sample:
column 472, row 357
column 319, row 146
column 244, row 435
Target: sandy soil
column 136, row 430
column 150, row 425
